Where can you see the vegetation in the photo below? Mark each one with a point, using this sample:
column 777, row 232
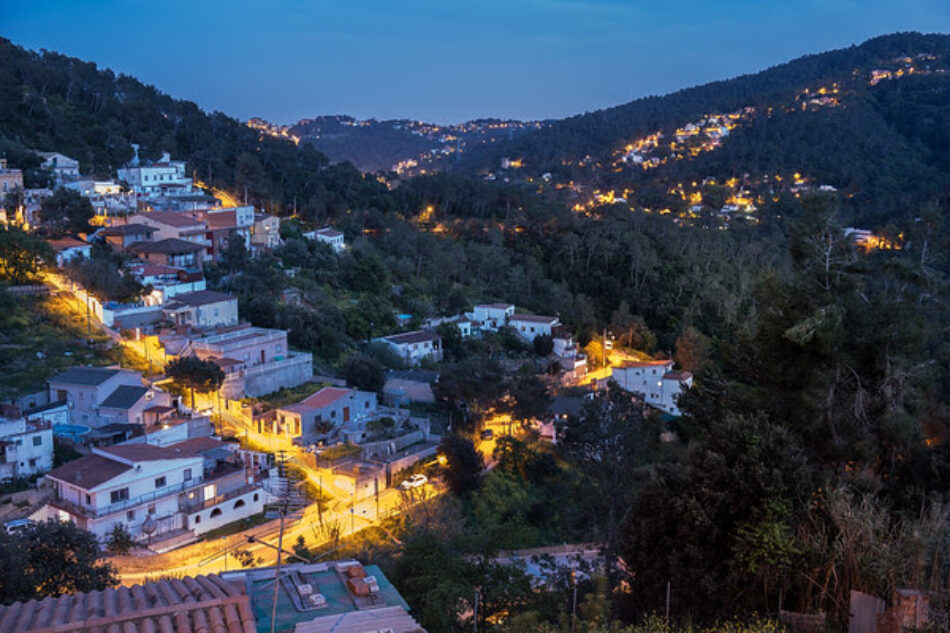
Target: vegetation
column 51, row 559
column 194, row 374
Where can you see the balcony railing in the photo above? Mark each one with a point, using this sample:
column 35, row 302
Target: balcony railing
column 194, row 505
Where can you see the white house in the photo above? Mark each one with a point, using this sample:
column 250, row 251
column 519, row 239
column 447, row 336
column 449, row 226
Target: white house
column 328, row 236
column 193, row 486
column 163, row 176
column 531, row 326
column 62, row 167
column 266, row 231
column 412, row 347
column 27, row 447
column 655, row 381
column 203, row 309
column 68, row 249
column 326, row 410
column 492, row 316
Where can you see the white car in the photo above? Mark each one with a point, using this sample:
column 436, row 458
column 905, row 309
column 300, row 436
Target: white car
column 414, row 482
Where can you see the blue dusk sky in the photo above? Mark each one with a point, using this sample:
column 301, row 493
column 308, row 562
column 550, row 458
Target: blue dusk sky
column 450, row 60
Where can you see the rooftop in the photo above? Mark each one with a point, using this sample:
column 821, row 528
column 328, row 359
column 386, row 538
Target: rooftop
column 202, row 298
column 128, row 229
column 633, row 364
column 88, row 471
column 343, row 610
column 168, row 245
column 67, row 242
column 496, row 306
column 88, row 376
column 124, row 397
column 325, row 397
column 172, row 219
column 680, row 376
column 419, row 336
column 328, row 232
column 533, row 318
column 186, row 605
column 414, row 375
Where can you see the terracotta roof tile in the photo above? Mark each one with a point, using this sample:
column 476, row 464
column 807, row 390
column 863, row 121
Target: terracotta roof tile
column 205, row 604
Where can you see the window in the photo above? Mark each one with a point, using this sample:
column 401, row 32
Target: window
column 239, row 504
column 197, row 519
column 215, row 513
column 187, row 474
column 122, row 494
column 366, row 405
column 279, row 346
column 130, row 515
column 159, row 482
column 37, row 440
column 151, row 509
column 332, row 414
column 88, row 499
column 255, row 496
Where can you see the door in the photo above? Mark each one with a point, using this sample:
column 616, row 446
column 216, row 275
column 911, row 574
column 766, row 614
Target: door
column 346, row 414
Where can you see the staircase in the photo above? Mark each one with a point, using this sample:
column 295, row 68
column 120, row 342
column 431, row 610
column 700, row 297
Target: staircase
column 286, row 491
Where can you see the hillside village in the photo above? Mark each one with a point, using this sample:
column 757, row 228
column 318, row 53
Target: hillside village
column 121, row 420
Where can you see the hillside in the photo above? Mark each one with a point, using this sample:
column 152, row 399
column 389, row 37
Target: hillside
column 49, row 101
column 402, row 145
column 872, row 120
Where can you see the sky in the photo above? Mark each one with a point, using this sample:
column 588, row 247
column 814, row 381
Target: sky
column 450, row 60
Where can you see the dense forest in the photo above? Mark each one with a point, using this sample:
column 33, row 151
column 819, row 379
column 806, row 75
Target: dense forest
column 812, row 456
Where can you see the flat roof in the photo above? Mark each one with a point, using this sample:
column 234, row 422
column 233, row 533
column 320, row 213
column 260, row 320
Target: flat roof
column 532, row 318
column 418, row 336
column 380, row 612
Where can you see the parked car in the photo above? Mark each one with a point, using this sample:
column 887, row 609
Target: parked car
column 488, row 434
column 414, row 481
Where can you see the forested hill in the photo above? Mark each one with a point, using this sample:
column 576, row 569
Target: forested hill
column 884, row 136
column 51, row 102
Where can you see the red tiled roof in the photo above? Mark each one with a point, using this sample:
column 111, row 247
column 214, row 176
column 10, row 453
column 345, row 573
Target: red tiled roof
column 172, row 218
column 88, row 471
column 325, row 397
column 141, row 452
column 66, row 242
column 187, row 605
column 644, row 363
column 168, row 245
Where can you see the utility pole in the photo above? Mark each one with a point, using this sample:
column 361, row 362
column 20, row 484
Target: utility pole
column 475, row 619
column 573, row 596
column 667, row 601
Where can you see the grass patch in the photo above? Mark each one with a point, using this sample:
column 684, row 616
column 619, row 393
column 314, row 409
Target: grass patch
column 339, row 451
column 41, row 336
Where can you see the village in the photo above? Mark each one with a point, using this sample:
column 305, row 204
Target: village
column 167, row 465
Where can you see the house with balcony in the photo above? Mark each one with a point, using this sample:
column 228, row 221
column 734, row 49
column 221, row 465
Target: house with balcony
column 654, row 381
column 170, row 252
column 225, row 224
column 413, row 347
column 10, row 179
column 531, row 326
column 256, row 361
column 491, row 316
column 155, row 492
column 69, row 248
column 572, row 360
column 320, row 414
column 166, row 281
column 121, row 236
column 26, row 446
column 202, row 309
column 155, row 178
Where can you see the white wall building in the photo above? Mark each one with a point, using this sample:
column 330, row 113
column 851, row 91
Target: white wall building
column 196, row 486
column 655, row 381
column 531, row 326
column 164, row 176
column 328, row 236
column 27, row 447
column 204, row 309
column 492, row 316
column 412, row 347
column 62, row 167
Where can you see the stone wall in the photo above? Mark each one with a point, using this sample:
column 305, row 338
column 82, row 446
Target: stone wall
column 290, row 372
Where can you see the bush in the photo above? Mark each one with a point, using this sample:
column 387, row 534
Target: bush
column 120, row 541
